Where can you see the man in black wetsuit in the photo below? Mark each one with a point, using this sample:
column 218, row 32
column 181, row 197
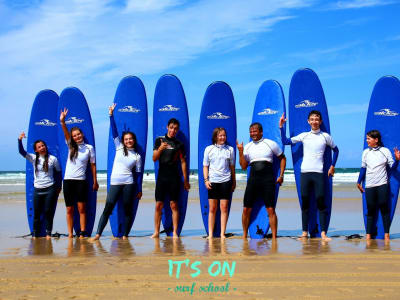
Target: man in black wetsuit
column 169, row 151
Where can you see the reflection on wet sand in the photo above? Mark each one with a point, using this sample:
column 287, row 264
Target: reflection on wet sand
column 197, row 246
column 215, row 246
column 40, row 246
column 169, row 246
column 80, row 247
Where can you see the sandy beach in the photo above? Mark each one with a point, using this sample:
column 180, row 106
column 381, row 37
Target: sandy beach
column 255, row 269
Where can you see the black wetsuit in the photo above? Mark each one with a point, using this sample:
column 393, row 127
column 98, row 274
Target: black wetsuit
column 169, row 179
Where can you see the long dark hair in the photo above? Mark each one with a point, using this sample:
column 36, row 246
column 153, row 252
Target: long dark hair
column 46, row 156
column 215, row 133
column 134, row 139
column 73, row 145
column 375, row 134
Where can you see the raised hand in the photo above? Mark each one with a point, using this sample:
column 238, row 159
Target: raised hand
column 111, row 109
column 282, row 120
column 63, row 114
column 22, row 136
column 239, row 146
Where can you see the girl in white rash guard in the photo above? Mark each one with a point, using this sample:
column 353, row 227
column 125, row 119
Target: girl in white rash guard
column 312, row 177
column 46, row 186
column 375, row 160
column 126, row 177
column 219, row 178
column 74, row 185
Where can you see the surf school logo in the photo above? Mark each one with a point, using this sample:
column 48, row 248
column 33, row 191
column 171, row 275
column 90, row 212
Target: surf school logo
column 45, row 122
column 129, row 108
column 218, row 116
column 306, row 103
column 74, row 120
column 169, row 107
column 386, row 112
column 267, row 111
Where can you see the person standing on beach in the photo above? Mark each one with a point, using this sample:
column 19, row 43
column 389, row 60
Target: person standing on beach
column 259, row 154
column 169, row 151
column 375, row 160
column 75, row 184
column 312, row 177
column 126, row 177
column 46, row 188
column 219, row 178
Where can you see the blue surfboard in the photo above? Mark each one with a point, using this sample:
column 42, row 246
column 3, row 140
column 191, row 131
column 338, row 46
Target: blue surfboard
column 78, row 116
column 130, row 115
column 306, row 94
column 170, row 102
column 218, row 110
column 384, row 115
column 42, row 126
column 268, row 108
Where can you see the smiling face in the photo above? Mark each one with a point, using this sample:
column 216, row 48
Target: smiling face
column 40, row 148
column 77, row 136
column 255, row 133
column 314, row 121
column 221, row 137
column 372, row 142
column 128, row 140
column 172, row 130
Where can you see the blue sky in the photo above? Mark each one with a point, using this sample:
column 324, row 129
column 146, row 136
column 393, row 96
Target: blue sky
column 93, row 44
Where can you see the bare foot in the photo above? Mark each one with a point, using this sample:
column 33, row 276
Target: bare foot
column 324, row 237
column 48, row 237
column 175, row 235
column 124, row 237
column 368, row 237
column 245, row 236
column 96, row 238
column 155, row 235
column 303, row 236
column 223, row 236
column 210, row 237
column 387, row 237
column 33, row 237
column 70, row 236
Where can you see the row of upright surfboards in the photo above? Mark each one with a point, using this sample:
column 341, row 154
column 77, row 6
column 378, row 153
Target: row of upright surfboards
column 218, row 110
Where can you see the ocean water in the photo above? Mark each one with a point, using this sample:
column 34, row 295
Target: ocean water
column 343, row 176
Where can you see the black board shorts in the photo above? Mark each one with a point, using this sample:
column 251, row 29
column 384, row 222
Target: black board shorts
column 168, row 187
column 261, row 184
column 221, row 190
column 75, row 191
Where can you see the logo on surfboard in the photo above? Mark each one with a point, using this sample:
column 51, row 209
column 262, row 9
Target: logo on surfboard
column 45, row 122
column 218, row 116
column 169, row 107
column 74, row 120
column 129, row 108
column 386, row 112
column 267, row 111
column 306, row 103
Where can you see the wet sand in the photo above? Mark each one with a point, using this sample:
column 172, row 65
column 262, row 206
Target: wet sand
column 111, row 268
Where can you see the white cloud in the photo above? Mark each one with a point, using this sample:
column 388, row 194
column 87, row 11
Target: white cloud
column 354, row 4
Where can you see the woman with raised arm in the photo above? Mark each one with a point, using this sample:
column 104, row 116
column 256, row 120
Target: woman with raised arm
column 219, row 178
column 126, row 177
column 46, row 187
column 376, row 160
column 75, row 183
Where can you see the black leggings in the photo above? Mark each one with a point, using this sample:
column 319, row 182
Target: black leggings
column 377, row 198
column 44, row 202
column 128, row 193
column 308, row 182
